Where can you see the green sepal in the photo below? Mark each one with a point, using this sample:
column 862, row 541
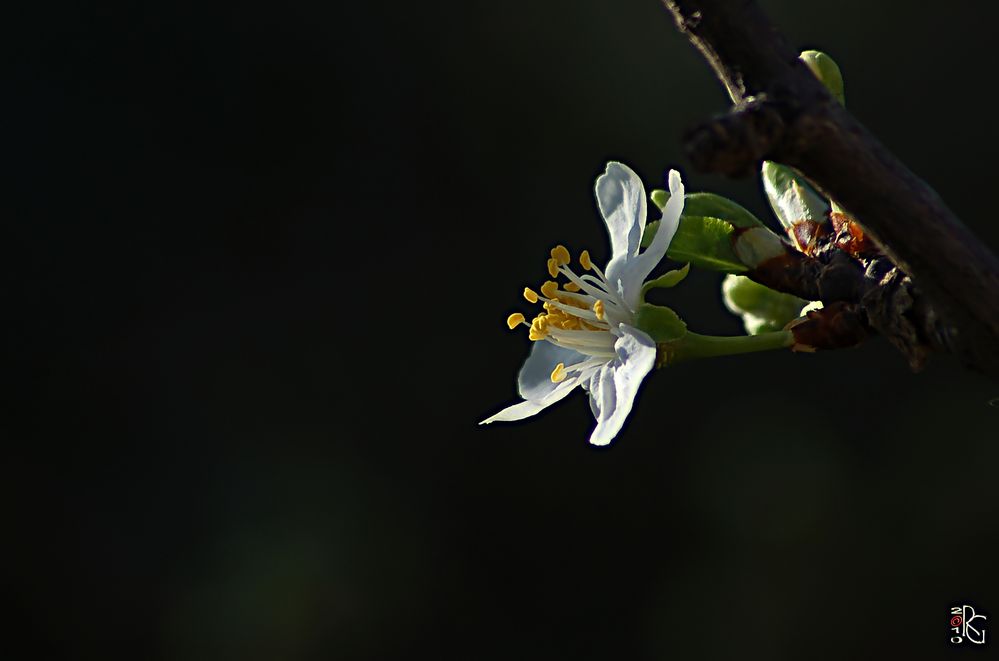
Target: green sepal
column 702, row 241
column 791, row 196
column 661, row 323
column 827, row 71
column 712, row 206
column 667, row 280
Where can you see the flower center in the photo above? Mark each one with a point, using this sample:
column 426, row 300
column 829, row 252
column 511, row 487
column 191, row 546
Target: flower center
column 582, row 316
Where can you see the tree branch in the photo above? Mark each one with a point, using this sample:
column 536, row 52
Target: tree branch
column 784, row 114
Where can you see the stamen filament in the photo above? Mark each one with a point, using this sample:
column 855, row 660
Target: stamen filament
column 586, row 287
column 595, row 352
column 588, row 315
column 583, row 338
column 596, row 282
column 583, row 364
column 600, row 274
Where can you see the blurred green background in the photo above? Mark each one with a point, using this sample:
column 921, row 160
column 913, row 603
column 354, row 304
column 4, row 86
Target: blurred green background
column 258, row 265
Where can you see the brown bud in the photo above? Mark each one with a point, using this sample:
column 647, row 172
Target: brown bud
column 836, row 326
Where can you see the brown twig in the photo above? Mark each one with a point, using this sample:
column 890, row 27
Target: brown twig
column 783, row 113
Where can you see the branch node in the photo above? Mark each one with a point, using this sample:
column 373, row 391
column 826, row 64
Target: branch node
column 736, row 143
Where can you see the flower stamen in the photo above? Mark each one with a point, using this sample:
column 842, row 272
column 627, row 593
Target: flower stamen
column 515, row 320
column 553, row 267
column 558, row 374
column 549, row 289
column 561, row 255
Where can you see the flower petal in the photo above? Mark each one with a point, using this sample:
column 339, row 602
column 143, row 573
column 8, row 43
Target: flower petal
column 534, row 381
column 621, row 199
column 528, row 408
column 601, row 390
column 668, row 225
column 613, row 388
column 634, row 272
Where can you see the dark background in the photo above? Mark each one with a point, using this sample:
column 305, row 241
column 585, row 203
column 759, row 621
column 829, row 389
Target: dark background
column 258, row 259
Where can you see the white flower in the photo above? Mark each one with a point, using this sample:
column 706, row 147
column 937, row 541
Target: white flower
column 586, row 336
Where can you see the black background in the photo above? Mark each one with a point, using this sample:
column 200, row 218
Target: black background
column 258, row 259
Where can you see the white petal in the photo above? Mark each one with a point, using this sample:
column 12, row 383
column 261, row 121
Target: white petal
column 528, row 408
column 636, row 271
column 675, row 184
column 534, row 381
column 613, row 388
column 621, row 198
column 601, row 386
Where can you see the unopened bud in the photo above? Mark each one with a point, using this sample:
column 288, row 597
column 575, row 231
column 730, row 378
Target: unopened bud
column 762, row 309
column 827, row 71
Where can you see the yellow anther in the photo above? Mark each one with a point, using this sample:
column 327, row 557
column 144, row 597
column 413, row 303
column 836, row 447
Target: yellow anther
column 598, row 309
column 514, row 320
column 561, row 255
column 558, row 374
column 584, row 260
column 571, row 286
column 530, row 295
column 549, row 289
column 535, row 334
column 553, row 267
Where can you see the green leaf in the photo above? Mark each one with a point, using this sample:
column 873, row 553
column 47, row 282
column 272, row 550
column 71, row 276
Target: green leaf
column 659, row 198
column 702, row 241
column 667, row 280
column 661, row 323
column 711, row 205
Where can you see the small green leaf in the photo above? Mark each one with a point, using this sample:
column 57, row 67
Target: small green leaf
column 702, row 241
column 661, row 323
column 667, row 280
column 711, row 205
column 659, row 198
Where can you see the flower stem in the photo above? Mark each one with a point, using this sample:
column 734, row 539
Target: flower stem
column 694, row 345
